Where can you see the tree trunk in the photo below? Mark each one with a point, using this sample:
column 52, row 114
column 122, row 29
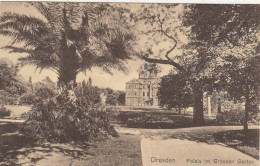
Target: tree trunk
column 246, row 109
column 219, row 106
column 66, row 77
column 198, row 117
column 68, row 68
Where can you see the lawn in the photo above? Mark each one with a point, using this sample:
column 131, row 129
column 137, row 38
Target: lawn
column 237, row 140
column 16, row 149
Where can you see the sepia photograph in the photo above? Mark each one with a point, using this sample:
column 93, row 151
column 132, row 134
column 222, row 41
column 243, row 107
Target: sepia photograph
column 129, row 84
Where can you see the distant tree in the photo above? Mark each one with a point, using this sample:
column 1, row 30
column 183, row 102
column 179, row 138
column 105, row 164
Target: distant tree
column 88, row 94
column 112, row 98
column 11, row 86
column 121, row 98
column 174, row 92
column 43, row 90
column 150, row 67
column 109, row 90
column 7, row 74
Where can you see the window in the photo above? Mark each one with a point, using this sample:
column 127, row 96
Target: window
column 143, row 93
column 147, row 93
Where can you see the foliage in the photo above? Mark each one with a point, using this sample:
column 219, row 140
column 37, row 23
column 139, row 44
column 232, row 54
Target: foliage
column 231, row 117
column 4, row 112
column 121, row 98
column 174, row 92
column 150, row 68
column 7, row 98
column 42, row 90
column 7, row 74
column 150, row 121
column 11, row 87
column 70, row 38
column 112, row 98
column 221, row 23
column 241, row 79
column 63, row 118
column 215, row 30
column 88, row 94
column 165, row 29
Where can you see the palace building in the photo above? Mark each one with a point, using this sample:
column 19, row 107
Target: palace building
column 142, row 91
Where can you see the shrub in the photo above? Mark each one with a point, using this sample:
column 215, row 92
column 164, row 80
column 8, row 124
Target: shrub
column 88, row 94
column 27, row 98
column 63, row 118
column 25, row 115
column 254, row 118
column 7, row 98
column 39, row 94
column 232, row 117
column 150, row 121
column 4, row 112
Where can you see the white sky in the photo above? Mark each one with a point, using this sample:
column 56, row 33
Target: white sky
column 116, row 81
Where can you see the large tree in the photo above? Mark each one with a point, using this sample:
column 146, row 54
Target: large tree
column 69, row 38
column 166, row 39
column 207, row 29
column 231, row 32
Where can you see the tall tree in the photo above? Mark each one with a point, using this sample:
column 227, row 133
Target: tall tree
column 69, row 38
column 207, row 28
column 231, row 31
column 166, row 36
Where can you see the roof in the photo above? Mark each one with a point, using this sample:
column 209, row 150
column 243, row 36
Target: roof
column 143, row 81
column 133, row 81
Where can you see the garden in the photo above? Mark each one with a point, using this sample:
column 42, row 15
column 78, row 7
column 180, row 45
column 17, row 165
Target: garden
column 69, row 119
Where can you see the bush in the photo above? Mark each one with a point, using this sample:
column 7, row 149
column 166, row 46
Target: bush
column 150, row 121
column 7, row 98
column 4, row 112
column 254, row 118
column 232, row 117
column 63, row 118
column 39, row 94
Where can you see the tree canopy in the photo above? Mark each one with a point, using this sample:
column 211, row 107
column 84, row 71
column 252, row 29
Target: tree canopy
column 69, row 38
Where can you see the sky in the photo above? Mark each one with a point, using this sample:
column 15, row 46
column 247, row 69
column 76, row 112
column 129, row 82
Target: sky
column 99, row 78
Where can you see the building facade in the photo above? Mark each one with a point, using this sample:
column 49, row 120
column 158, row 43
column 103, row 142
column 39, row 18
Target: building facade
column 142, row 91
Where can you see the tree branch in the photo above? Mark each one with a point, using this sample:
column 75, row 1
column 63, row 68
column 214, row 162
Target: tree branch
column 162, row 61
column 169, row 36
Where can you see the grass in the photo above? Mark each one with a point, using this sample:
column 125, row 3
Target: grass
column 122, row 151
column 16, row 149
column 248, row 144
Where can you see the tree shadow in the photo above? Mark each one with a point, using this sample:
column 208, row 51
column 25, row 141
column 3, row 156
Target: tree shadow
column 236, row 139
column 17, row 149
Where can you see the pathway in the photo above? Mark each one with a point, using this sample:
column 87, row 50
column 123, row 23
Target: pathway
column 185, row 147
column 189, row 153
